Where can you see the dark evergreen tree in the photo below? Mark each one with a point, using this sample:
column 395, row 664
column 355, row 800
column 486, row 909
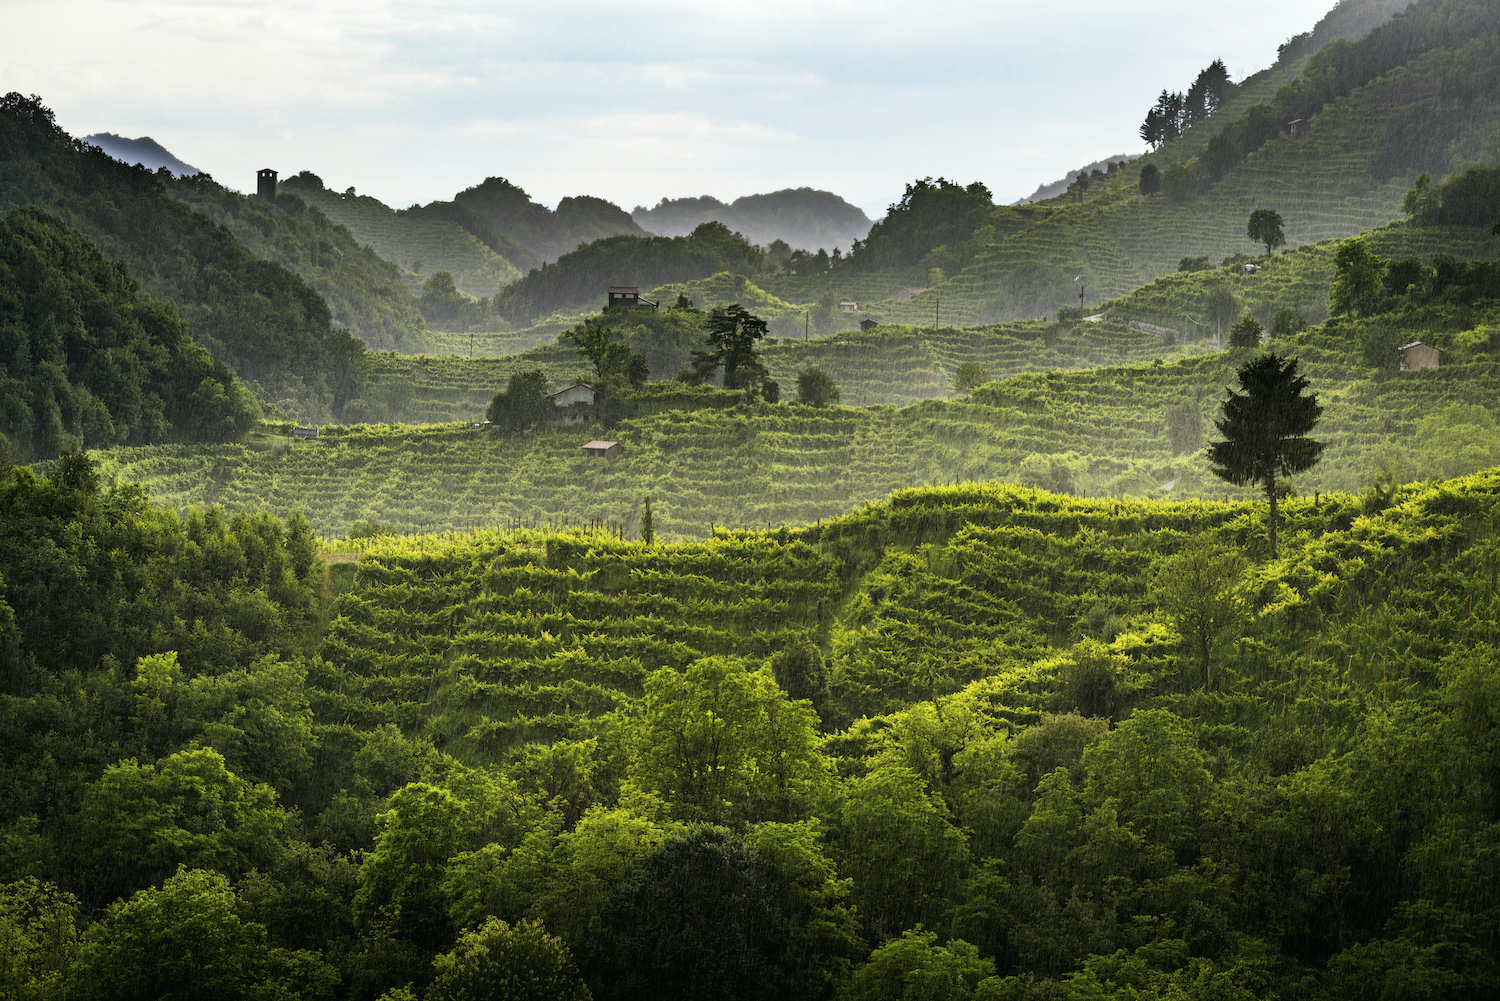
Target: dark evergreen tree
column 1265, row 430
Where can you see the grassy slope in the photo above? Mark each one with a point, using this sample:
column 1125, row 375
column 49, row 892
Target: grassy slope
column 418, row 247
column 1335, row 182
column 1098, row 432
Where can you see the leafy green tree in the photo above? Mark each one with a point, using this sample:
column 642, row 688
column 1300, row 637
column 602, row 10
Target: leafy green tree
column 524, row 403
column 765, row 917
column 1358, row 279
column 817, row 389
column 400, row 881
column 1266, row 226
column 1287, row 322
column 801, row 672
column 970, row 375
column 930, row 214
column 38, row 939
column 1190, row 265
column 1150, row 182
column 138, row 823
column 915, row 967
column 732, row 333
column 1179, row 183
column 720, row 738
column 1219, row 304
column 1200, row 589
column 1265, row 430
column 518, row 962
column 598, row 342
column 1246, row 333
column 907, row 860
column 185, row 941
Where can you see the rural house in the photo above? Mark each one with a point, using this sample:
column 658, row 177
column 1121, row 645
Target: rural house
column 578, row 393
column 1297, row 128
column 1418, row 355
column 604, row 450
column 868, row 324
column 849, row 306
column 626, row 297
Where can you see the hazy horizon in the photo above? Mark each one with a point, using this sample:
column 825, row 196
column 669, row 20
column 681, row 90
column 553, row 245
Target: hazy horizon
column 625, row 103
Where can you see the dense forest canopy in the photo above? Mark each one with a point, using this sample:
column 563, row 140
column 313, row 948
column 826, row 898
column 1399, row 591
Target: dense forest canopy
column 90, row 362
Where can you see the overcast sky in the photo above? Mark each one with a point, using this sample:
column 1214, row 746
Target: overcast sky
column 633, row 102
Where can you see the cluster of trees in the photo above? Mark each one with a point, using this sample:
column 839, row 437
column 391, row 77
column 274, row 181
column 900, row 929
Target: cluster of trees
column 645, row 261
column 90, row 362
column 931, row 213
column 1175, row 113
column 1470, row 198
column 253, row 315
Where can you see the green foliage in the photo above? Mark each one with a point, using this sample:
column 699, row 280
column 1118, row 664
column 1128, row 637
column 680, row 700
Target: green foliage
column 611, row 358
column 930, row 214
column 257, row 317
column 1201, row 589
column 732, row 333
column 1471, row 198
column 1265, row 430
column 817, row 389
column 1287, row 322
column 523, row 404
column 1266, row 226
column 92, row 362
column 970, row 375
column 1358, row 280
column 1246, row 333
column 1189, row 265
column 1150, row 181
column 185, row 940
column 519, row 963
column 1457, row 440
column 528, row 233
column 38, row 938
column 1185, row 427
column 915, row 968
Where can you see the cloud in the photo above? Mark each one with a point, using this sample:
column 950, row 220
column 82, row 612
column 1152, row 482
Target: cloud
column 629, row 101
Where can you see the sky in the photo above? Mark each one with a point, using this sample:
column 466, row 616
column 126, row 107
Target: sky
column 633, row 102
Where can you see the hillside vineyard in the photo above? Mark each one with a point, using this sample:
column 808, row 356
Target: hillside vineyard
column 1092, row 598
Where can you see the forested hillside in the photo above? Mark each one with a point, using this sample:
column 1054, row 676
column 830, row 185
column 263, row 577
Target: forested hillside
column 1016, row 744
column 1414, row 95
column 363, row 290
column 801, row 218
column 581, row 279
column 260, row 319
column 418, row 244
column 546, row 233
column 93, row 363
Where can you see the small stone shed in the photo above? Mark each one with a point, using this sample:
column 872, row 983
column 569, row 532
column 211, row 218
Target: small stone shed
column 580, row 392
column 610, row 450
column 1418, row 355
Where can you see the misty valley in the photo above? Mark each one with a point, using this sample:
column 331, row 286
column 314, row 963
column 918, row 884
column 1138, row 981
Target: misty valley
column 1087, row 598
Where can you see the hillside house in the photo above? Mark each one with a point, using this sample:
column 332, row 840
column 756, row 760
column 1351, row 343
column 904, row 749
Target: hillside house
column 627, row 297
column 1297, row 128
column 849, row 306
column 1250, row 269
column 868, row 324
column 1418, row 355
column 610, row 450
column 580, row 393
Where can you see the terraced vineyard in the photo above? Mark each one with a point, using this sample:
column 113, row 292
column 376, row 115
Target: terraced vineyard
column 1100, row 432
column 888, row 365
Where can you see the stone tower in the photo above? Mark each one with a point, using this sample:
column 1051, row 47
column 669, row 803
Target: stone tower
column 265, row 184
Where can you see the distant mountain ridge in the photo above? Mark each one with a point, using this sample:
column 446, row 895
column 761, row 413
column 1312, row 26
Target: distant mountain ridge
column 806, row 218
column 1055, row 188
column 145, row 151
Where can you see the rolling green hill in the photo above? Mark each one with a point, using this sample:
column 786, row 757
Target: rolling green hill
column 418, row 245
column 1407, row 98
column 801, row 217
column 266, row 323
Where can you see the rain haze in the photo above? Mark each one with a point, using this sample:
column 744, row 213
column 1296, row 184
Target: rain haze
column 630, row 102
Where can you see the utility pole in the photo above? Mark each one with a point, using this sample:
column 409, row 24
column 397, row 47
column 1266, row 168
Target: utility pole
column 937, row 311
column 806, row 322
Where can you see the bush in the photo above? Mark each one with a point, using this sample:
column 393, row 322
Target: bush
column 969, row 376
column 519, row 963
column 1246, row 333
column 817, row 389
